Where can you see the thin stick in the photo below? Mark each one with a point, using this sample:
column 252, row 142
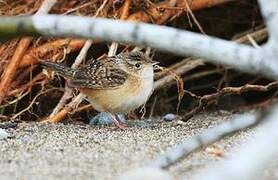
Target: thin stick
column 77, row 8
column 180, row 70
column 188, row 9
column 31, row 104
column 101, row 7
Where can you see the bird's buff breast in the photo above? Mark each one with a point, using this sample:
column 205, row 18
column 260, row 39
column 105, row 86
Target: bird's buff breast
column 128, row 97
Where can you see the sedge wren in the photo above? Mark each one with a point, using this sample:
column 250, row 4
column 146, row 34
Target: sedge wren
column 116, row 84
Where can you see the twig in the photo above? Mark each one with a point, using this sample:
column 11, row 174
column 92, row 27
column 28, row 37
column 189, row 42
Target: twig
column 207, row 100
column 207, row 137
column 22, row 95
column 180, row 84
column 2, row 117
column 258, row 35
column 184, row 62
column 31, row 104
column 101, row 7
column 82, row 108
column 82, row 55
column 201, row 74
column 185, row 67
column 252, row 41
column 79, row 7
column 37, row 78
column 188, row 9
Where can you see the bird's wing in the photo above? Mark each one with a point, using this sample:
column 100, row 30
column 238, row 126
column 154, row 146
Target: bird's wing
column 97, row 76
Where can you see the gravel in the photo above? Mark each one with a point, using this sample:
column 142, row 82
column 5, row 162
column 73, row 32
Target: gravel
column 72, row 150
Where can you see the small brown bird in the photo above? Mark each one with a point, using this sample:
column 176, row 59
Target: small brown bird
column 116, row 84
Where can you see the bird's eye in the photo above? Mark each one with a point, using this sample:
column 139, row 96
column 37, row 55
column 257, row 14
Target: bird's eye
column 138, row 65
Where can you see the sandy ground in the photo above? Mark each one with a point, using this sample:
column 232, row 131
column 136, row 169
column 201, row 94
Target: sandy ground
column 79, row 151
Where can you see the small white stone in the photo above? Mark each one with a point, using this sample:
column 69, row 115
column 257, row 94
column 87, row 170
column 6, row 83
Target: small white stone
column 3, row 134
column 169, row 117
column 146, row 173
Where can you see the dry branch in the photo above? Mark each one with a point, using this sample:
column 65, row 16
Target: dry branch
column 11, row 69
column 31, row 57
column 239, row 56
column 207, row 100
column 13, row 65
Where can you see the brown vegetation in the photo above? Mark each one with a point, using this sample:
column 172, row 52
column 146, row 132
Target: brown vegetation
column 26, row 91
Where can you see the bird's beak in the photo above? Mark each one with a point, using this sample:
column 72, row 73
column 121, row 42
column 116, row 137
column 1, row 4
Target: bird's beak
column 154, row 62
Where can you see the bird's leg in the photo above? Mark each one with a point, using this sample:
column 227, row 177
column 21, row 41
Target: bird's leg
column 116, row 121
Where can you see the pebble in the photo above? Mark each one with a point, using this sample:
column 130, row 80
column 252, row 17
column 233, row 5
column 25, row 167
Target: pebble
column 104, row 118
column 169, row 117
column 3, row 134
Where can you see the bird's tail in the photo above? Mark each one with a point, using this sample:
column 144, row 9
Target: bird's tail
column 60, row 69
